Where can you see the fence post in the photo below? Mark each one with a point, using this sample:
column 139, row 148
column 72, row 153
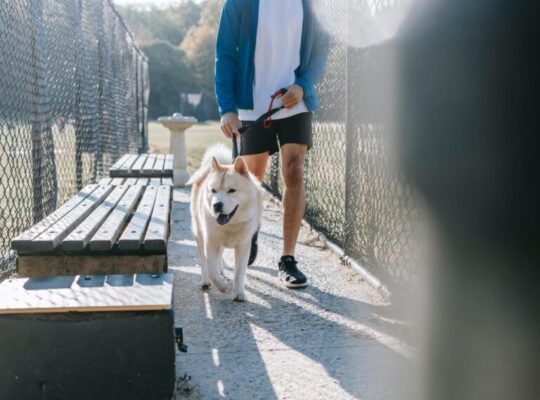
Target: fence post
column 41, row 124
column 79, row 124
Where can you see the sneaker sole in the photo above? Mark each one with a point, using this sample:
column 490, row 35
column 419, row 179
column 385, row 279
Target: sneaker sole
column 295, row 285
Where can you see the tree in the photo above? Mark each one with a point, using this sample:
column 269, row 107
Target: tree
column 171, row 24
column 199, row 46
column 170, row 74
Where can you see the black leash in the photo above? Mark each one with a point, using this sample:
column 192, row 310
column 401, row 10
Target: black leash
column 265, row 120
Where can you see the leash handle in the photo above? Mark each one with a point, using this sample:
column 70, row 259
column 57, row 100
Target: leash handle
column 234, row 147
column 268, row 121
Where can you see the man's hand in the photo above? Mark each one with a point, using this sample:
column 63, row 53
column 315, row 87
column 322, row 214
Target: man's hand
column 230, row 124
column 294, row 95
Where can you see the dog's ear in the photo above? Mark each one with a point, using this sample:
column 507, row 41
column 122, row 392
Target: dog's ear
column 216, row 166
column 241, row 167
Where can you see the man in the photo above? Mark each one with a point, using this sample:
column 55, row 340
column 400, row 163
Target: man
column 263, row 46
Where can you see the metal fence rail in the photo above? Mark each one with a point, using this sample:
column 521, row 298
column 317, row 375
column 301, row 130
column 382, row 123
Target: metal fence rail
column 353, row 195
column 73, row 97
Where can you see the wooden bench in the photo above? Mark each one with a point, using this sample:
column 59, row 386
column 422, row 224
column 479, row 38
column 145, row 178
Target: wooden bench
column 87, row 337
column 136, row 181
column 104, row 229
column 90, row 314
column 143, row 165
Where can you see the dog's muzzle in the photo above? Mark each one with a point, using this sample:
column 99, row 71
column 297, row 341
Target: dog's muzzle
column 224, row 219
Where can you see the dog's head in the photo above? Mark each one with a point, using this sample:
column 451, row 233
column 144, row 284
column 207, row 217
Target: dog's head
column 230, row 191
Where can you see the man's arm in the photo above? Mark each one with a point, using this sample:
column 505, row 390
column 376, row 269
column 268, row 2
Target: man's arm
column 315, row 69
column 226, row 57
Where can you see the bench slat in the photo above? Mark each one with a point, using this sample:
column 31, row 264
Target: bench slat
column 160, row 162
column 155, row 182
column 125, row 168
column 133, row 235
column 80, row 237
column 158, row 229
column 166, row 181
column 105, row 181
column 118, row 164
column 142, row 181
column 49, row 239
column 148, row 168
column 130, row 181
column 168, row 165
column 23, row 242
column 138, row 165
column 106, row 236
column 117, row 181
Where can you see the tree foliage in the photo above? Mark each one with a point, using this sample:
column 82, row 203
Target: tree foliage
column 170, row 74
column 180, row 44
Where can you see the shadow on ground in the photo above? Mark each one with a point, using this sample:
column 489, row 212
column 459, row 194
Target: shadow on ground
column 325, row 342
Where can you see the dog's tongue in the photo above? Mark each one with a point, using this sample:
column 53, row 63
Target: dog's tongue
column 223, row 219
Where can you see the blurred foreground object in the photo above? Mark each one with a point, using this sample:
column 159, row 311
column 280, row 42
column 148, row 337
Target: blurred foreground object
column 468, row 115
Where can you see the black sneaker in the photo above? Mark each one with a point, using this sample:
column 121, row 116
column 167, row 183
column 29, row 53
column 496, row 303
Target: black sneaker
column 254, row 248
column 289, row 273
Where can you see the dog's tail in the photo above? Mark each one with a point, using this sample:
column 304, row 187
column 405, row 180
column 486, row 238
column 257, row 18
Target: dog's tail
column 218, row 151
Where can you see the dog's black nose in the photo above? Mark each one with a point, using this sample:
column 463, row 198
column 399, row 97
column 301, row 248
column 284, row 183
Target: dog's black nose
column 218, row 207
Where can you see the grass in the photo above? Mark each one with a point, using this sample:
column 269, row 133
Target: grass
column 198, row 139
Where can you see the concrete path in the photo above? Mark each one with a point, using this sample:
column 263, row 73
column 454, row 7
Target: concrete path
column 329, row 341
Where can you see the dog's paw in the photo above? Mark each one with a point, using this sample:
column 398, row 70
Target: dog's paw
column 239, row 297
column 225, row 287
column 205, row 286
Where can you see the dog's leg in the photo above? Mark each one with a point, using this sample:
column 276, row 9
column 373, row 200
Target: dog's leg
column 213, row 257
column 241, row 257
column 222, row 263
column 204, row 265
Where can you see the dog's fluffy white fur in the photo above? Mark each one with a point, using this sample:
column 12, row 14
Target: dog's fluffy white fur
column 226, row 210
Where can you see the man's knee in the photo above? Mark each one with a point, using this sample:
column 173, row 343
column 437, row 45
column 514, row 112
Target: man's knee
column 293, row 172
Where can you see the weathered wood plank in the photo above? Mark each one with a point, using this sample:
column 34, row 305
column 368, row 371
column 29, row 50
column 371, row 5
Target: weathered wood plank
column 118, row 164
column 53, row 236
column 168, row 165
column 22, row 243
column 105, row 181
column 34, row 266
column 166, row 181
column 155, row 182
column 142, row 181
column 148, row 168
column 124, row 169
column 130, row 181
column 106, row 236
column 133, row 235
column 80, row 294
column 158, row 228
column 158, row 166
column 117, row 181
column 80, row 237
column 138, row 165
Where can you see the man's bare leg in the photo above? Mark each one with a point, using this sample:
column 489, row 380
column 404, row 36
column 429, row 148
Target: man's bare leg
column 292, row 169
column 257, row 164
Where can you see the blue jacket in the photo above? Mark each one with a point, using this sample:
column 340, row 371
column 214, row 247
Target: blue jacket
column 235, row 55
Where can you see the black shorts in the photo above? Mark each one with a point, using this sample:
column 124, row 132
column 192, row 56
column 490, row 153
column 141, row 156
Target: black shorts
column 258, row 139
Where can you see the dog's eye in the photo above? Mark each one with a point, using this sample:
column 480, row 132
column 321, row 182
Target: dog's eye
column 214, row 191
column 232, row 190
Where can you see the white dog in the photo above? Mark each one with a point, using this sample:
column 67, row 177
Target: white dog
column 226, row 210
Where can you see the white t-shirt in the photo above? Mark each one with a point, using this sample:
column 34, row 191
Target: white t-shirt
column 277, row 55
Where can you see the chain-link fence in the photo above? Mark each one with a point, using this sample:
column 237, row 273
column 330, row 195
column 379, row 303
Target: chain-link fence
column 353, row 195
column 73, row 95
